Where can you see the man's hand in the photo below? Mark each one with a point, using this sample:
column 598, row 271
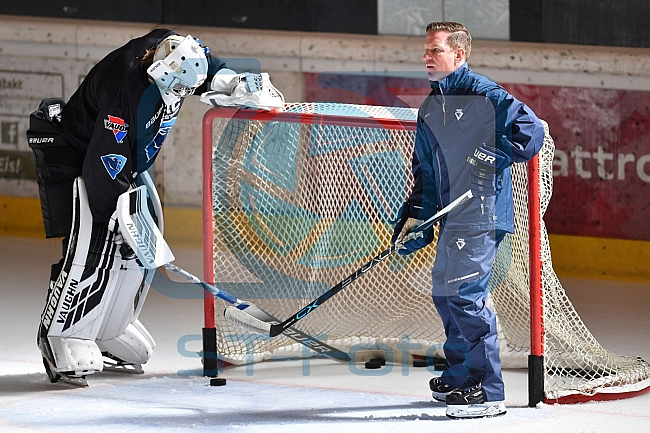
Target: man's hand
column 488, row 162
column 404, row 229
column 407, row 229
column 409, row 239
column 492, row 157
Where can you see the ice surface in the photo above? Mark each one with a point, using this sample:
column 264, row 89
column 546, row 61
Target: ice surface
column 278, row 396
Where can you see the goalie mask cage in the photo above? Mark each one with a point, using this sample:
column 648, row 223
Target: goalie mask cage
column 295, row 201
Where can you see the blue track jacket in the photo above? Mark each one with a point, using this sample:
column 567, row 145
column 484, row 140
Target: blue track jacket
column 463, row 111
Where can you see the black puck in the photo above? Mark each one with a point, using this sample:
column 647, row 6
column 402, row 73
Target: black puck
column 419, row 363
column 373, row 365
column 380, row 361
column 217, row 381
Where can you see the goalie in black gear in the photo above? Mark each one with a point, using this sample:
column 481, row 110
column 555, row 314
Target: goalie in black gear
column 88, row 152
column 90, row 321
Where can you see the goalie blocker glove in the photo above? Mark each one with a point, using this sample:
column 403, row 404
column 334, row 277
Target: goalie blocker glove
column 487, row 165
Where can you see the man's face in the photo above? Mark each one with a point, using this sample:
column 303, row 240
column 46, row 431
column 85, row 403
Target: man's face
column 439, row 58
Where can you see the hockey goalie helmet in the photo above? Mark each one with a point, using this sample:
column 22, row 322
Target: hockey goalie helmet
column 179, row 65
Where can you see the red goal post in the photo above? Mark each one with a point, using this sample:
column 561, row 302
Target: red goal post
column 294, row 200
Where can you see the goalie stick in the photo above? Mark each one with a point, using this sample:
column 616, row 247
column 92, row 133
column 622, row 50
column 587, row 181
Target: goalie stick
column 240, row 318
column 141, row 233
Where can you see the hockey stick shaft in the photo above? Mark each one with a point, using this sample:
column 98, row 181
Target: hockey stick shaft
column 209, row 287
column 276, row 329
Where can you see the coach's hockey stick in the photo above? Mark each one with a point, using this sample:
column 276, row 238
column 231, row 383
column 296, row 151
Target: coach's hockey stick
column 240, row 318
column 141, row 233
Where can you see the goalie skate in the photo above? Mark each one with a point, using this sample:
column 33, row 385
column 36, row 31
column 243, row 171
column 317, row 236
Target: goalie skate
column 70, row 379
column 113, row 364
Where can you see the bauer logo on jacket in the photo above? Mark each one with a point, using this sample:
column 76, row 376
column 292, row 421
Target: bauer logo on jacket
column 114, row 164
column 118, row 127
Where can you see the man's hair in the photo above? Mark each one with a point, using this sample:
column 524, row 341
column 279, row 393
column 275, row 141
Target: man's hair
column 459, row 36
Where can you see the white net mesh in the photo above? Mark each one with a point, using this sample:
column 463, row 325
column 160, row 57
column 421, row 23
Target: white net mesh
column 301, row 202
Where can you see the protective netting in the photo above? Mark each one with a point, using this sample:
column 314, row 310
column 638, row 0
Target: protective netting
column 303, row 199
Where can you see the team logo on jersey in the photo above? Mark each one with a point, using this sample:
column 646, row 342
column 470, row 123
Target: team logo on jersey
column 118, row 127
column 460, row 243
column 459, row 113
column 113, row 164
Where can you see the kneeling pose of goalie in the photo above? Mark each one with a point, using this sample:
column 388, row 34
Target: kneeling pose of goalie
column 88, row 152
column 469, row 131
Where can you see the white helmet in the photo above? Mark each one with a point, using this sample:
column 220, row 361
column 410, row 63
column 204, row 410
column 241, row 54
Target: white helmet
column 179, row 65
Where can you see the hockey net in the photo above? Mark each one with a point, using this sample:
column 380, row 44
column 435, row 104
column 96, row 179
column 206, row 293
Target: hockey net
column 296, row 201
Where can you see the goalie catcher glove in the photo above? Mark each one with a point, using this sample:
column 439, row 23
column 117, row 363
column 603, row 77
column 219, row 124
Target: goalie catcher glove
column 410, row 218
column 248, row 90
column 224, row 81
column 487, row 164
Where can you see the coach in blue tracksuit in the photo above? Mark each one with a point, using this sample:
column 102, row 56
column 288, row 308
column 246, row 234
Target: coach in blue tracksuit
column 469, row 131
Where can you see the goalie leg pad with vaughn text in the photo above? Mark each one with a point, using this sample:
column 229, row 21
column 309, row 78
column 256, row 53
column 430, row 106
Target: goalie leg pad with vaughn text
column 78, row 297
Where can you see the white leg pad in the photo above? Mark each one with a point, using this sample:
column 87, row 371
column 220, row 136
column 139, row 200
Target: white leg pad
column 92, row 265
column 77, row 302
column 134, row 346
column 94, row 305
column 121, row 334
column 75, row 355
column 126, row 300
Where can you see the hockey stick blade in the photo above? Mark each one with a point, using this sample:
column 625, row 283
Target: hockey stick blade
column 256, row 319
column 239, row 318
column 276, row 329
column 307, row 340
